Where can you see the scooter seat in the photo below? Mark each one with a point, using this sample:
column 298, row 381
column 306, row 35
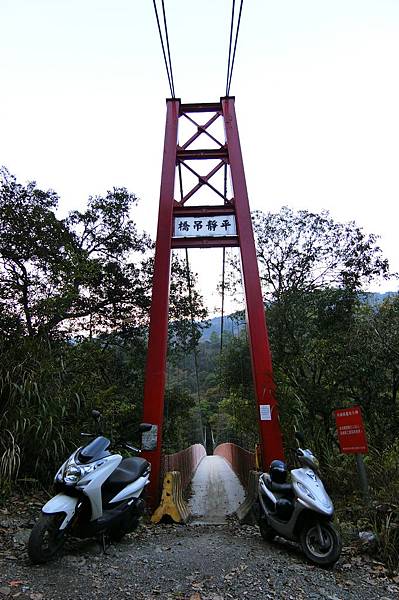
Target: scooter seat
column 282, row 489
column 129, row 470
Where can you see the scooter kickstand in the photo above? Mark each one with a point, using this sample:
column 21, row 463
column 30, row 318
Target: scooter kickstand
column 104, row 544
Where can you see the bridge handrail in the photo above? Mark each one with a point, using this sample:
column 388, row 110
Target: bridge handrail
column 242, row 461
column 186, row 461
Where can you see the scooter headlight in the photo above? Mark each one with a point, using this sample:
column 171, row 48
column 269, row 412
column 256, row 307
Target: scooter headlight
column 72, row 474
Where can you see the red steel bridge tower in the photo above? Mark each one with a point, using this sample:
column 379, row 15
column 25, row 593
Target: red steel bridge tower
column 226, row 224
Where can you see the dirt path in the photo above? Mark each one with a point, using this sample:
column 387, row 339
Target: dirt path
column 216, row 492
column 225, row 562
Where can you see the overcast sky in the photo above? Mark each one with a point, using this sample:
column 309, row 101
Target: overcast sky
column 83, row 88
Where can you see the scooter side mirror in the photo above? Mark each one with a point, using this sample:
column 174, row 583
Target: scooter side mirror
column 96, row 415
column 145, row 427
column 300, row 437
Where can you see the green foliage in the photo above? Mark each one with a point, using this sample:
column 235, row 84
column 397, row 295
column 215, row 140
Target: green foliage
column 385, row 523
column 47, row 399
column 382, row 514
column 181, row 420
column 75, row 295
column 328, row 348
column 383, row 469
column 79, row 272
column 186, row 311
column 303, row 251
column 33, row 419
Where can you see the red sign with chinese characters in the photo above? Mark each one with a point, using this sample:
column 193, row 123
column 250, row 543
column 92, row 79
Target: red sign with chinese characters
column 350, row 428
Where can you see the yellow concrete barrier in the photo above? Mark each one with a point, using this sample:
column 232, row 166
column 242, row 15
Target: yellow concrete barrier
column 172, row 503
column 244, row 512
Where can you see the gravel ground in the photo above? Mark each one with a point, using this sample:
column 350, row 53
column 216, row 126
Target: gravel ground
column 218, row 562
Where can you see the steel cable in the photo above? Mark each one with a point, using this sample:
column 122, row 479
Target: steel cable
column 167, row 60
column 190, row 299
column 231, row 39
column 195, row 352
column 231, row 59
column 223, row 270
column 218, row 426
column 167, row 44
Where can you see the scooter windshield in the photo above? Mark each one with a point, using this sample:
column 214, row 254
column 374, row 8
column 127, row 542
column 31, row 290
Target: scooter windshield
column 94, row 450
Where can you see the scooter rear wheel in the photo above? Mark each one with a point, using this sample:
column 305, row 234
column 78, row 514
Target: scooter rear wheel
column 46, row 538
column 324, row 553
column 116, row 534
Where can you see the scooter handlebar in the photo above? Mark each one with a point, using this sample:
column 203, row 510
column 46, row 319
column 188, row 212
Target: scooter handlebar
column 122, row 443
column 128, row 446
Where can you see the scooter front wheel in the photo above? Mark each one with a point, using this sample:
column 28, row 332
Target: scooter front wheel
column 321, row 543
column 46, row 538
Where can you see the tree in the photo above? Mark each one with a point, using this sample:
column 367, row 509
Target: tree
column 88, row 272
column 65, row 272
column 371, row 367
column 312, row 270
column 303, row 251
column 75, row 295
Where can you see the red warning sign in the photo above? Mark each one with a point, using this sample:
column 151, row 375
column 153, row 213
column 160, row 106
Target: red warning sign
column 350, row 428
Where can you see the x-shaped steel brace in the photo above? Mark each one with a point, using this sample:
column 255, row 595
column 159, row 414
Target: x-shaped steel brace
column 202, row 129
column 203, row 180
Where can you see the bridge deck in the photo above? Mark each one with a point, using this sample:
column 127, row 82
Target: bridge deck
column 216, row 492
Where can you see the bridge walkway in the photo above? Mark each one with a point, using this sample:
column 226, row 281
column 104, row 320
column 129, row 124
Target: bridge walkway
column 216, row 492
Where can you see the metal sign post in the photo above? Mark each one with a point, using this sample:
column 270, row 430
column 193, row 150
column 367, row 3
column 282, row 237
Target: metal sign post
column 182, row 224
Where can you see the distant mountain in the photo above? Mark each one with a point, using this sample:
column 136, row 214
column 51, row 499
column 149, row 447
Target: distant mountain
column 375, row 298
column 232, row 323
column 236, row 322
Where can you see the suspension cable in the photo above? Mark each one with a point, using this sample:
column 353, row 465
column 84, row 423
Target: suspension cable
column 190, row 299
column 231, row 59
column 218, row 426
column 222, row 316
column 223, row 270
column 230, row 41
column 167, row 44
column 167, row 60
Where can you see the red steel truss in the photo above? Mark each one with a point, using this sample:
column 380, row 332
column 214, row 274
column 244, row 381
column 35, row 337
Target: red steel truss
column 175, row 159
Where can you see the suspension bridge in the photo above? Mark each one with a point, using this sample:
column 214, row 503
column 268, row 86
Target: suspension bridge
column 204, row 204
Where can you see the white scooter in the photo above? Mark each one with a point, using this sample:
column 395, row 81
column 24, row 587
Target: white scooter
column 299, row 511
column 99, row 494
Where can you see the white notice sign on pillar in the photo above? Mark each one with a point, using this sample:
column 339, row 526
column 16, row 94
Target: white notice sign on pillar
column 215, row 226
column 265, row 412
